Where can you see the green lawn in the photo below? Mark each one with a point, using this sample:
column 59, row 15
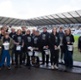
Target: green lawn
column 77, row 54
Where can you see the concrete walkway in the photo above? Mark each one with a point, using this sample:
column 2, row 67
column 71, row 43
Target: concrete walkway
column 37, row 74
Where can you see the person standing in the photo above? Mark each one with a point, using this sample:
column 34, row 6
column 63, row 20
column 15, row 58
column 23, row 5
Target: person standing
column 2, row 32
column 28, row 41
column 79, row 44
column 7, row 45
column 23, row 31
column 44, row 40
column 33, row 36
column 33, row 33
column 61, row 35
column 1, row 35
column 54, row 44
column 18, row 42
column 12, row 35
column 36, row 47
column 24, row 47
column 68, row 41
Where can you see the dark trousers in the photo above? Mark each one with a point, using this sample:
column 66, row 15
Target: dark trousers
column 13, row 56
column 28, row 62
column 0, row 55
column 0, row 58
column 37, row 61
column 62, row 52
column 24, row 53
column 68, row 58
column 54, row 57
column 43, row 57
column 18, row 57
column 23, row 56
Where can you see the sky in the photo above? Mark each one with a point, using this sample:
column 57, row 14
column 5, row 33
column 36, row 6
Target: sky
column 26, row 9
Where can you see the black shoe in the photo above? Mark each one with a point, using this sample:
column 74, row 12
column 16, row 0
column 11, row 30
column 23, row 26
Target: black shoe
column 26, row 65
column 37, row 65
column 23, row 62
column 46, row 65
column 16, row 66
column 29, row 67
column 13, row 62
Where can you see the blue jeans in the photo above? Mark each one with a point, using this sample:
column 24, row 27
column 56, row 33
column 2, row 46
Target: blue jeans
column 5, row 54
column 68, row 58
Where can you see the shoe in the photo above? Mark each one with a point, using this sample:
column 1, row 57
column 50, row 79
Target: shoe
column 52, row 66
column 16, row 66
column 9, row 68
column 65, row 70
column 26, row 65
column 42, row 64
column 29, row 67
column 37, row 65
column 56, row 67
column 46, row 65
column 23, row 62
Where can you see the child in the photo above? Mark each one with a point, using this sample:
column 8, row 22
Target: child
column 6, row 44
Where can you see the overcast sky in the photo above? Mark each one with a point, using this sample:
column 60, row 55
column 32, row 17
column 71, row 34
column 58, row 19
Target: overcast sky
column 25, row 9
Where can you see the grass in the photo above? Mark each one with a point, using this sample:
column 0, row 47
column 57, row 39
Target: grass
column 76, row 54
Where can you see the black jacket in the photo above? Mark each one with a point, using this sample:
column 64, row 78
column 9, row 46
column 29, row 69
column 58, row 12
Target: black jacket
column 79, row 42
column 12, row 35
column 28, row 41
column 18, row 39
column 54, row 40
column 44, row 39
column 36, row 42
column 68, row 38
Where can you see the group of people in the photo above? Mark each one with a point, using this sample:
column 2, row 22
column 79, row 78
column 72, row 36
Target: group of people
column 22, row 47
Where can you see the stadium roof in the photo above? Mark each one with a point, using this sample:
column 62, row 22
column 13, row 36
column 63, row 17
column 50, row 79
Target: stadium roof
column 54, row 19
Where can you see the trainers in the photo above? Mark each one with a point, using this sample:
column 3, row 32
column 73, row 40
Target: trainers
column 9, row 68
column 56, row 67
column 52, row 66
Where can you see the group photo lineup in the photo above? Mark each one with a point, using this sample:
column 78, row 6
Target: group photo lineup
column 40, row 40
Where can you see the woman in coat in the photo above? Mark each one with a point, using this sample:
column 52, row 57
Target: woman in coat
column 68, row 41
column 54, row 43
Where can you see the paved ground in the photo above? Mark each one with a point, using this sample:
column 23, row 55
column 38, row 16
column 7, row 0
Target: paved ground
column 37, row 74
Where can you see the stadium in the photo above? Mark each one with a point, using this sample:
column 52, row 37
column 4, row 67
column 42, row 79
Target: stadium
column 70, row 20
